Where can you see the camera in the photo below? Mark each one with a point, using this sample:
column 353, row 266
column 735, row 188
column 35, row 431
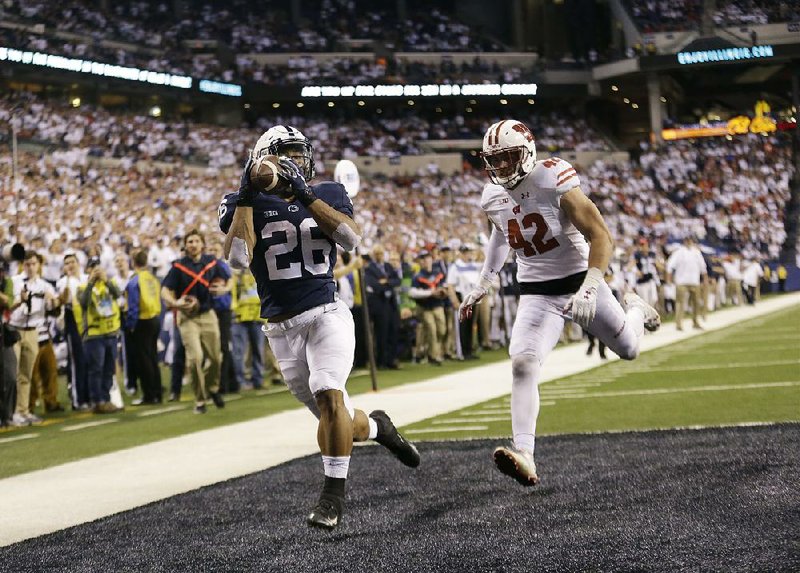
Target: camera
column 15, row 252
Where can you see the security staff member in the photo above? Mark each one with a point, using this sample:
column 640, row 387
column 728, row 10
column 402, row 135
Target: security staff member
column 187, row 289
column 247, row 331
column 143, row 325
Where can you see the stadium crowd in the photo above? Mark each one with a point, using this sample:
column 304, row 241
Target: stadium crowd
column 207, row 40
column 667, row 15
column 141, row 137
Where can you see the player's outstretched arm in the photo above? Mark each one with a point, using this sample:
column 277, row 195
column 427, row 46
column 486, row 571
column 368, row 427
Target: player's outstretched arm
column 588, row 220
column 495, row 255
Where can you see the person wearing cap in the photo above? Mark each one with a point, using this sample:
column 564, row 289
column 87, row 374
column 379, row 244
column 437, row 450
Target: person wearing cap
column 100, row 328
column 429, row 290
column 188, row 289
column 33, row 296
column 687, row 269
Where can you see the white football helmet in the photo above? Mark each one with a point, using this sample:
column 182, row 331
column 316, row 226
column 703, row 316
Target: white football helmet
column 288, row 141
column 509, row 152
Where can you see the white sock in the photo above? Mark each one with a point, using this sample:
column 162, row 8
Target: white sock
column 373, row 429
column 524, row 400
column 336, row 466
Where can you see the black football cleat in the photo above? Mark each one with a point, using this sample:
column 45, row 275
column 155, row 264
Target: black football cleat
column 218, row 400
column 327, row 514
column 392, row 440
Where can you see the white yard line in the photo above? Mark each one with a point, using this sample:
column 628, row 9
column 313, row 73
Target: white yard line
column 85, row 425
column 472, row 419
column 161, row 411
column 655, row 391
column 18, row 438
column 449, row 429
column 48, row 500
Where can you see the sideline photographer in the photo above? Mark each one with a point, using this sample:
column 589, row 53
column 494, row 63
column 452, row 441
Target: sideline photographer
column 33, row 296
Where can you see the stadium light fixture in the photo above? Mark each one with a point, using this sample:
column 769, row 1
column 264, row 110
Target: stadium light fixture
column 503, row 101
column 76, row 102
column 663, row 99
column 361, row 103
column 626, row 100
column 247, row 106
column 411, row 102
column 635, row 105
column 331, row 104
column 276, row 105
column 155, row 111
column 300, row 104
column 468, row 110
column 614, row 89
column 530, row 101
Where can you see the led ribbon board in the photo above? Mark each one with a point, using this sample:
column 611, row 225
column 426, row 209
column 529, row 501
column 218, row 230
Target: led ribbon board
column 427, row 90
column 221, row 88
column 725, row 55
column 95, row 68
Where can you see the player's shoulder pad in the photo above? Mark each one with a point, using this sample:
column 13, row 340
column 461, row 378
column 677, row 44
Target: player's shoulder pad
column 330, row 191
column 555, row 173
column 494, row 198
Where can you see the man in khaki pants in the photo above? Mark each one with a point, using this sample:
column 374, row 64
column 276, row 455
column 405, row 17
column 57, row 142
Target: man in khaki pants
column 429, row 290
column 187, row 289
column 32, row 297
column 687, row 268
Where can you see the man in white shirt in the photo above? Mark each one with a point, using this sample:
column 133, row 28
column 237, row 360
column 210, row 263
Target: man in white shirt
column 733, row 278
column 32, row 297
column 687, row 269
column 751, row 276
column 67, row 287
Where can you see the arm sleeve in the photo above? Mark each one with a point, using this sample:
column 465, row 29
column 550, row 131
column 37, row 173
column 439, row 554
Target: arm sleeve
column 226, row 210
column 132, row 314
column 495, row 255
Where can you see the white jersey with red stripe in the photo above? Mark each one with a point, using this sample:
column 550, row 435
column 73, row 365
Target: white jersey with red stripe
column 547, row 244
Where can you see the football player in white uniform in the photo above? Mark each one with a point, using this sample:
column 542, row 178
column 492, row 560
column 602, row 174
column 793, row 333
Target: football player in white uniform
column 538, row 209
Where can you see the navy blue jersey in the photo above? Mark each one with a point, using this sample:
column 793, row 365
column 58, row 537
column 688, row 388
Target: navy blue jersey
column 293, row 260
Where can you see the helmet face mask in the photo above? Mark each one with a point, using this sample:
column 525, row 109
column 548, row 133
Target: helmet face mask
column 287, row 141
column 509, row 153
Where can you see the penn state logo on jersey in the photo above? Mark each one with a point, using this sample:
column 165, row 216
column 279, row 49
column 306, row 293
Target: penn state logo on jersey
column 293, row 259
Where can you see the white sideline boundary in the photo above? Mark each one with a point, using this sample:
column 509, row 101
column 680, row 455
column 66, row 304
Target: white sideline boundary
column 44, row 501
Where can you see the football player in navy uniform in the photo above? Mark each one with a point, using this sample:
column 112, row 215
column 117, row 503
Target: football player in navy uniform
column 310, row 331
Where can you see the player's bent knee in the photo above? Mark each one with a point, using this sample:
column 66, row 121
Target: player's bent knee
column 629, row 353
column 523, row 366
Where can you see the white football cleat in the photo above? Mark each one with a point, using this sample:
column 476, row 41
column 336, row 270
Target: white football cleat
column 652, row 320
column 517, row 464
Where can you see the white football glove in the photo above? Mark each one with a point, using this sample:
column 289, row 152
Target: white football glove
column 473, row 297
column 584, row 302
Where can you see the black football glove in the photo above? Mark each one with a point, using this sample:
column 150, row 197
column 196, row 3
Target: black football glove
column 299, row 188
column 247, row 191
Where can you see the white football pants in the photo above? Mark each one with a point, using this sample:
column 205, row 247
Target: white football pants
column 315, row 352
column 537, row 328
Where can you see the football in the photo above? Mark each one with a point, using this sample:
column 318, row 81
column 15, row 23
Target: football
column 264, row 174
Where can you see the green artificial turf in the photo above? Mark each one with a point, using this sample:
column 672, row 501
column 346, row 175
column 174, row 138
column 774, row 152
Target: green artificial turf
column 747, row 373
column 52, row 446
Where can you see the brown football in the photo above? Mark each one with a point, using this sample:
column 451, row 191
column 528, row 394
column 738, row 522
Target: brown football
column 264, row 174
